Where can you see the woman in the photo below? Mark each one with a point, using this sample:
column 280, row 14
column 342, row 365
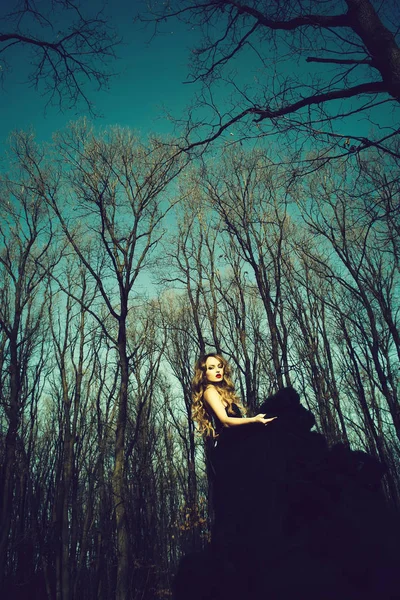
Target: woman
column 214, row 396
column 231, row 461
column 285, row 503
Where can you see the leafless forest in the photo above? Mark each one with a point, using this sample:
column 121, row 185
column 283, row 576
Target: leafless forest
column 123, row 258
column 296, row 282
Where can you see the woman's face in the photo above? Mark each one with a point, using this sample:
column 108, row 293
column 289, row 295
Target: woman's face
column 214, row 370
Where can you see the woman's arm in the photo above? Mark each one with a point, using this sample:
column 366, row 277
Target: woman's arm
column 214, row 401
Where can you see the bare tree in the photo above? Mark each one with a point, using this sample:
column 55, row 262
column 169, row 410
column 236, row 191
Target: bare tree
column 146, row 454
column 313, row 350
column 251, row 200
column 68, row 326
column 65, row 48
column 347, row 217
column 358, row 383
column 26, row 236
column 181, row 354
column 191, row 317
column 242, row 324
column 116, row 187
column 309, row 68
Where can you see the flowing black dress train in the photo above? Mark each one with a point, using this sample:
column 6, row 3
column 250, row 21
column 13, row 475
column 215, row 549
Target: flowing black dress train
column 294, row 519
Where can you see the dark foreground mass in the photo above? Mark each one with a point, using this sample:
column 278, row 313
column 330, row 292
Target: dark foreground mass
column 294, row 518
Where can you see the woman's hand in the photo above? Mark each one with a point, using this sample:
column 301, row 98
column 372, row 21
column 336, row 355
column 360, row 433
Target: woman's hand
column 261, row 419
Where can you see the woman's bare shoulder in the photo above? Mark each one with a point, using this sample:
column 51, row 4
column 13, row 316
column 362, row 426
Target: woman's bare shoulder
column 211, row 393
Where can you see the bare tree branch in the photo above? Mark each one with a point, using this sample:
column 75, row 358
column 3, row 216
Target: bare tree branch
column 65, row 48
column 358, row 43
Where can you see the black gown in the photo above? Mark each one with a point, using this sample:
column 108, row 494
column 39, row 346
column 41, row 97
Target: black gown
column 219, row 428
column 294, row 518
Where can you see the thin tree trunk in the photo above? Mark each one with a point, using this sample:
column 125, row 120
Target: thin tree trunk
column 10, row 448
column 119, row 475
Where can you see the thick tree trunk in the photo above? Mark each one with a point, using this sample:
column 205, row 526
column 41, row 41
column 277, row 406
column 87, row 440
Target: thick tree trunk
column 379, row 41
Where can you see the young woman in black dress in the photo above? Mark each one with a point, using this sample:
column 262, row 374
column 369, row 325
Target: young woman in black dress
column 215, row 404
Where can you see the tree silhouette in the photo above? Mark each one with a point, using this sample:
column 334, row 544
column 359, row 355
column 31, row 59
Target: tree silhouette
column 312, row 66
column 66, row 48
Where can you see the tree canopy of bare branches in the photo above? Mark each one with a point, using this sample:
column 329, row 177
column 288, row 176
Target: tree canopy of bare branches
column 303, row 67
column 104, row 484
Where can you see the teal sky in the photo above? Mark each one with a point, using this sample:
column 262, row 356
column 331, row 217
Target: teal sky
column 149, row 83
column 150, row 77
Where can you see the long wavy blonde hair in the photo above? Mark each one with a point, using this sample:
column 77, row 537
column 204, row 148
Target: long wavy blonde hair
column 226, row 389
